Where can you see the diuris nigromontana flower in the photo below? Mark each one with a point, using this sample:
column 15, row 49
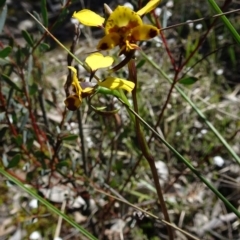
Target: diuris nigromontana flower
column 74, row 101
column 85, row 89
column 123, row 28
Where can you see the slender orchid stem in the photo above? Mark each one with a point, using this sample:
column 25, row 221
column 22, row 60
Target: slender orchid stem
column 145, row 149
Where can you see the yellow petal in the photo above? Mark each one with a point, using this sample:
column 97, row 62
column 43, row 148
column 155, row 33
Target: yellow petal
column 97, row 60
column 144, row 32
column 73, row 102
column 75, row 81
column 87, row 91
column 109, row 41
column 149, row 7
column 130, row 46
column 117, row 83
column 89, row 18
column 122, row 20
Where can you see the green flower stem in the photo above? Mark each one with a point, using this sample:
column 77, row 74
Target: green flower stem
column 120, row 95
column 124, row 100
column 47, row 204
column 198, row 111
column 225, row 20
column 145, row 149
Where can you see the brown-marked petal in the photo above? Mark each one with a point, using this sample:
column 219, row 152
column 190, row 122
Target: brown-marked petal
column 109, row 41
column 75, row 81
column 73, row 102
column 144, row 32
column 122, row 19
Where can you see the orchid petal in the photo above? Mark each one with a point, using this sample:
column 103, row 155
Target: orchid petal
column 109, row 41
column 97, row 60
column 117, row 83
column 75, row 81
column 148, row 7
column 122, row 19
column 144, row 32
column 73, row 102
column 89, row 18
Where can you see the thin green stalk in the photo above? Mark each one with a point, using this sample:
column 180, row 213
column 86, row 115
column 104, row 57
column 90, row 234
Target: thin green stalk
column 198, row 111
column 145, row 149
column 47, row 204
column 225, row 20
column 180, row 157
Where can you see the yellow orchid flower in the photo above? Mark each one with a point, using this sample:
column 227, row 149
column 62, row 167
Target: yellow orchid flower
column 74, row 101
column 123, row 27
column 82, row 89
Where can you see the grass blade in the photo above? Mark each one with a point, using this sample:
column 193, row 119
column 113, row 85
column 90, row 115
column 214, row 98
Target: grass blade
column 225, row 20
column 47, row 204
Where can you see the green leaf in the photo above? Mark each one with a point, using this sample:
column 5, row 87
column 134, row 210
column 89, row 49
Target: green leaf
column 41, row 156
column 62, row 164
column 69, row 137
column 37, row 16
column 18, row 140
column 9, row 98
column 6, row 79
column 28, row 38
column 15, row 160
column 188, row 80
column 5, row 52
column 44, row 13
column 33, row 89
column 233, row 31
column 141, row 63
column 44, row 47
column 3, row 132
column 50, row 103
column 2, row 3
column 3, row 14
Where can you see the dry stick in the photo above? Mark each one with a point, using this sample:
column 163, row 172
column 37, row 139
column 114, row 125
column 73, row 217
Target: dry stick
column 42, row 106
column 199, row 20
column 206, row 56
column 81, row 136
column 59, row 224
column 134, row 206
column 144, row 147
